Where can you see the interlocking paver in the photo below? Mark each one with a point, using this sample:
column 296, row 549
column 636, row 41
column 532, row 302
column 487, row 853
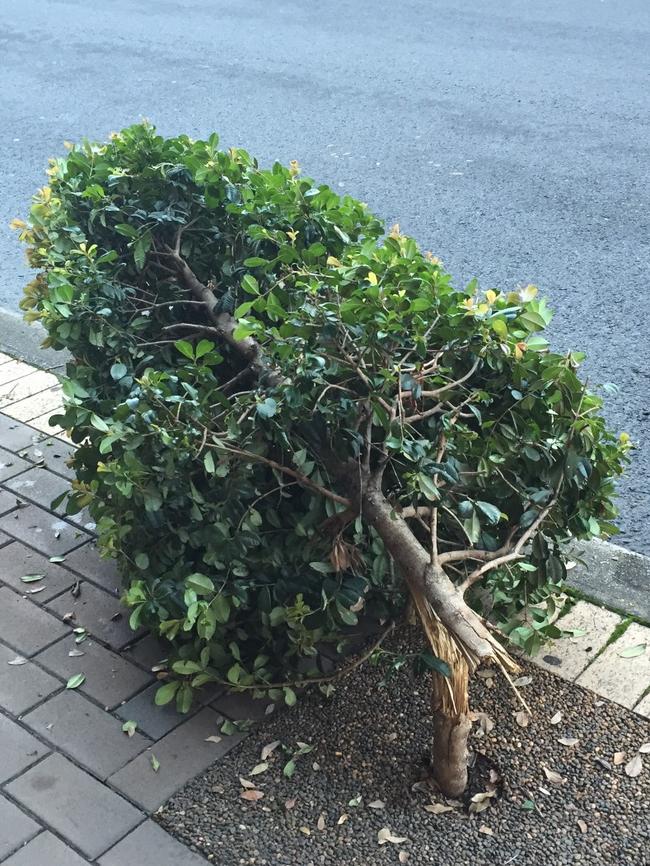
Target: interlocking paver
column 18, row 749
column 643, row 707
column 26, row 386
column 15, row 435
column 569, row 656
column 11, row 464
column 100, row 613
column 148, row 652
column 150, row 845
column 9, row 501
column 33, row 408
column 46, row 850
column 154, row 721
column 22, row 686
column 39, row 485
column 182, row 754
column 87, row 562
column 79, row 808
column 17, row 560
column 239, row 706
column 48, row 451
column 12, row 370
column 42, row 422
column 43, row 531
column 92, row 737
column 16, row 828
column 4, row 539
column 616, row 677
column 25, row 626
column 110, row 679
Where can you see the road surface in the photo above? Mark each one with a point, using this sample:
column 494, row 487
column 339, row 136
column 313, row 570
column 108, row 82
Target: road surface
column 511, row 137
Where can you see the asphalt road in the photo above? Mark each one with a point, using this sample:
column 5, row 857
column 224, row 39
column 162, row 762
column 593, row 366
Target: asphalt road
column 511, row 137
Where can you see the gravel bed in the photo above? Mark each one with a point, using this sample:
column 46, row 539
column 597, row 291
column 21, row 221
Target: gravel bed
column 370, row 744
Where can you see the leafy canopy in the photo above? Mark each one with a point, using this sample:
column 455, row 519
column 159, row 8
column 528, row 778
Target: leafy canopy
column 229, row 499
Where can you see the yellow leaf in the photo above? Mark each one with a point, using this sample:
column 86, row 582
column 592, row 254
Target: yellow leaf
column 491, row 296
column 17, row 224
column 333, row 262
column 528, row 293
column 394, row 232
column 292, row 235
column 624, row 438
column 294, row 167
column 483, row 308
column 372, row 278
column 468, row 303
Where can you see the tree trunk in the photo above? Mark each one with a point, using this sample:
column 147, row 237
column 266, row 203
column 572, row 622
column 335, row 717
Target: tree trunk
column 449, row 751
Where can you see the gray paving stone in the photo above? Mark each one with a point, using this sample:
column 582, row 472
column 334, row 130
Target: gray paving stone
column 87, row 562
column 569, row 656
column 617, row 678
column 9, row 501
column 22, row 686
column 16, row 828
column 93, row 737
column 49, row 452
column 148, row 651
column 154, row 721
column 79, row 808
column 45, row 850
column 100, row 613
column 18, row 560
column 39, row 485
column 15, row 435
column 150, row 845
column 110, row 679
column 18, row 749
column 25, row 626
column 241, row 706
column 43, row 531
column 643, row 707
column 182, row 754
column 11, row 464
column 4, row 539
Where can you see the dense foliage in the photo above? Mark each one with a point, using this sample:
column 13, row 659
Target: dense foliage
column 227, row 486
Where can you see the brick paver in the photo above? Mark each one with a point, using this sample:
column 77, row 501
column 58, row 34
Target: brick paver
column 18, row 389
column 22, row 686
column 110, row 678
column 18, row 749
column 150, row 845
column 87, row 562
column 76, row 806
column 35, row 406
column 154, row 721
column 46, row 850
column 11, row 464
column 182, row 754
column 25, row 626
column 49, row 452
column 240, row 705
column 92, row 737
column 618, row 678
column 643, row 707
column 15, row 435
column 44, row 531
column 99, row 612
column 8, row 502
column 16, row 828
column 17, row 561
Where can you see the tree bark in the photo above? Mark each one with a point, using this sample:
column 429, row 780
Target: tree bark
column 449, row 751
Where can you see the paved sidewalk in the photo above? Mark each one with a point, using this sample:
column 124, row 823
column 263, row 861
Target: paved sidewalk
column 74, row 787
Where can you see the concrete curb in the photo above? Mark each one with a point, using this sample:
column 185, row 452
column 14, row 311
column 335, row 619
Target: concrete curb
column 606, row 574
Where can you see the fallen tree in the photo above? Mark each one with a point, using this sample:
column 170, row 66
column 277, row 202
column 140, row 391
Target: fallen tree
column 285, row 417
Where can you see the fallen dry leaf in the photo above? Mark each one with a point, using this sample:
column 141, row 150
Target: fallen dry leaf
column 344, row 817
column 522, row 718
column 633, row 768
column 268, row 750
column 321, row 821
column 619, row 758
column 556, row 719
column 645, row 749
column 377, row 804
column 305, row 830
column 246, row 783
column 568, row 741
column 553, row 777
column 385, row 835
column 403, row 856
column 523, row 681
column 486, row 830
column 215, row 738
column 259, row 768
column 289, row 804
column 437, row 808
column 19, row 660
column 252, row 795
column 582, row 825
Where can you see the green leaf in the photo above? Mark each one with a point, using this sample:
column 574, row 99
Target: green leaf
column 200, row 583
column 203, row 347
column 221, row 607
column 208, row 462
column 130, row 728
column 118, row 371
column 434, row 663
column 289, row 769
column 492, row 513
column 155, row 763
column 428, row 488
column 165, row 694
column 99, row 423
column 500, row 328
column 32, row 578
column 186, row 667
column 185, row 348
column 323, row 567
column 142, row 561
column 267, row 408
column 632, row 652
column 289, row 696
column 472, row 528
column 75, row 681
